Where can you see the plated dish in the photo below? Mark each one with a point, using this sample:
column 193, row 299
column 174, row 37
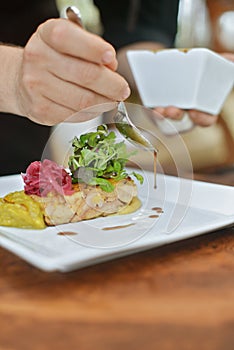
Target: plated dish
column 73, row 217
column 96, row 183
column 190, row 208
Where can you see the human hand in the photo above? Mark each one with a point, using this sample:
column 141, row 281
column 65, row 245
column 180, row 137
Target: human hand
column 197, row 117
column 65, row 69
column 228, row 55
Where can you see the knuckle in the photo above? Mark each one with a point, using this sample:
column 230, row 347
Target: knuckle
column 29, row 81
column 90, row 73
column 86, row 100
column 39, row 110
column 31, row 53
column 57, row 33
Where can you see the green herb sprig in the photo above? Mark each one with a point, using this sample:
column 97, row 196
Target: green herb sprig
column 97, row 157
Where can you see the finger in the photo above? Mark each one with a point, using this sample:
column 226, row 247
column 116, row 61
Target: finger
column 67, row 94
column 159, row 112
column 96, row 78
column 68, row 38
column 38, row 55
column 47, row 112
column 173, row 113
column 228, row 55
column 202, row 119
column 92, row 112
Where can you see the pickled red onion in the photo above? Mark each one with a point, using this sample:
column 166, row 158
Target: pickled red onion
column 46, row 176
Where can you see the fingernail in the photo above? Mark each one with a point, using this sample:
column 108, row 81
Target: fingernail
column 126, row 92
column 108, row 57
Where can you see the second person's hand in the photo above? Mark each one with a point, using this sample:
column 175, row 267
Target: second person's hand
column 198, row 118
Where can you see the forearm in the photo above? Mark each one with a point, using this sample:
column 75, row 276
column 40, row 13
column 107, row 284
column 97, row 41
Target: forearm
column 10, row 62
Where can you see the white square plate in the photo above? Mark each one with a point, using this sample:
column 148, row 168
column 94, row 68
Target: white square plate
column 190, row 208
column 189, row 79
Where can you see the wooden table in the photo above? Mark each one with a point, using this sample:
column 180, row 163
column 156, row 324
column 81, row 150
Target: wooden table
column 179, row 296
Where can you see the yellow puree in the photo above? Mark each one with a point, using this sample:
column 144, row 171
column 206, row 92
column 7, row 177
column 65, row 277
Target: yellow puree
column 130, row 208
column 17, row 209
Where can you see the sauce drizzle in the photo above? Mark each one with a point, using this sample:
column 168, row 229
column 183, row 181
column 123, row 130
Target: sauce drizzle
column 67, row 233
column 155, row 168
column 116, row 227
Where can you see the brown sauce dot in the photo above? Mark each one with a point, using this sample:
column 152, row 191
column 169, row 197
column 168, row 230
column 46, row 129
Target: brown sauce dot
column 157, row 209
column 153, row 216
column 67, row 233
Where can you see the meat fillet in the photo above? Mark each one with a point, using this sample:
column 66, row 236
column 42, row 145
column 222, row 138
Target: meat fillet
column 87, row 202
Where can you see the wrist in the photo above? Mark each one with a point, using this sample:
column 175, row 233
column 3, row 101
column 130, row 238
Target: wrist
column 10, row 66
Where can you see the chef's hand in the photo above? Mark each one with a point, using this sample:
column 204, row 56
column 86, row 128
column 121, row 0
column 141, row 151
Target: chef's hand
column 65, row 69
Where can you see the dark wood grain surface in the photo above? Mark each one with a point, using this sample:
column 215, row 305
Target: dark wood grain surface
column 179, row 296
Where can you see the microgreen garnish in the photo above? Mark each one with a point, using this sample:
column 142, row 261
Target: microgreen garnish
column 97, row 157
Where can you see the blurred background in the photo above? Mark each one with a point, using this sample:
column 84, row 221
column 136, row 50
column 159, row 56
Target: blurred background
column 201, row 23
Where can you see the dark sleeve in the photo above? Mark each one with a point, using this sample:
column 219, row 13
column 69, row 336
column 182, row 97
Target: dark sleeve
column 20, row 18
column 22, row 140
column 128, row 21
